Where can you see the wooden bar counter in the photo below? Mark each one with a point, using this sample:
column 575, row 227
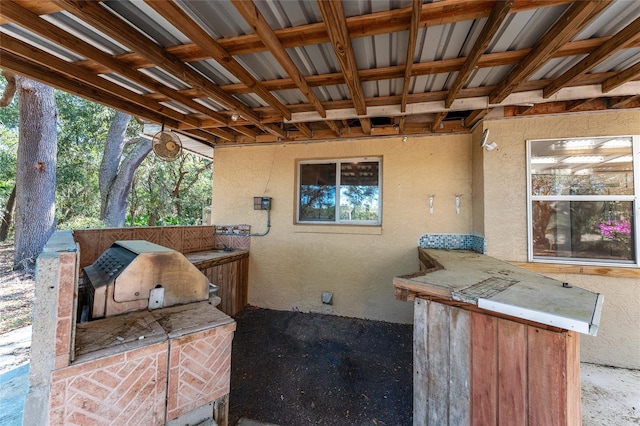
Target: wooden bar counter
column 495, row 344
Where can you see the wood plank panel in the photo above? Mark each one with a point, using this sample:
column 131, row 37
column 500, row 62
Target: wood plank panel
column 420, row 359
column 547, row 388
column 574, row 402
column 438, row 363
column 484, row 370
column 512, row 373
column 232, row 278
column 459, row 367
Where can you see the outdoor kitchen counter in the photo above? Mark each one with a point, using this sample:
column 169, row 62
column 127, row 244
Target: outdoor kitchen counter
column 108, row 336
column 229, row 270
column 494, row 343
column 208, row 258
column 497, row 286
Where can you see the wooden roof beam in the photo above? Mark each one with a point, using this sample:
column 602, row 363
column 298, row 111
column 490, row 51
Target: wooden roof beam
column 45, row 75
column 437, row 121
column 571, row 23
column 33, row 22
column 401, row 124
column 416, row 11
column 244, row 130
column 365, row 123
column 577, row 104
column 73, row 72
column 304, row 129
column 622, row 77
column 580, row 47
column 202, row 135
column 333, row 126
column 336, row 26
column 498, row 13
column 275, row 131
column 625, row 102
column 436, row 13
column 175, row 15
column 619, row 41
column 252, row 15
column 97, row 16
column 475, row 116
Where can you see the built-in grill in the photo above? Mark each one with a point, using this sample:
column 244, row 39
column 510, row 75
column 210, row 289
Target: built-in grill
column 135, row 275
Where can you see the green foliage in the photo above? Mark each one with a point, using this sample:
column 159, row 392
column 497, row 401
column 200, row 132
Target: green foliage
column 82, row 131
column 8, row 148
column 160, row 198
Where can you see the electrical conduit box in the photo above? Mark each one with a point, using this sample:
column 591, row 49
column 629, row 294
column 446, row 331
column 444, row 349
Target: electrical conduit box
column 262, row 203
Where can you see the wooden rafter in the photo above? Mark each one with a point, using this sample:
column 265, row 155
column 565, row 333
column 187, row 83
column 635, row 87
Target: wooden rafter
column 365, row 123
column 201, row 135
column 333, row 126
column 577, row 104
column 475, row 116
column 625, row 102
column 45, row 75
column 621, row 77
column 570, row 24
column 436, row 13
column 336, row 25
column 619, row 41
column 250, row 132
column 304, row 129
column 401, row 124
column 498, row 13
column 73, row 72
column 252, row 15
column 580, row 47
column 112, row 26
column 49, row 31
column 179, row 19
column 416, row 10
column 437, row 121
column 276, row 131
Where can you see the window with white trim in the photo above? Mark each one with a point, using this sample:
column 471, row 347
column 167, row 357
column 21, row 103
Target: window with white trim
column 583, row 197
column 345, row 191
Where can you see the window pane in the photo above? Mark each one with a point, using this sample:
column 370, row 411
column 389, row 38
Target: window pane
column 600, row 230
column 317, row 192
column 600, row 166
column 359, row 191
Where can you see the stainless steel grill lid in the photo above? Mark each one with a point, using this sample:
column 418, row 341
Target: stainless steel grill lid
column 135, row 275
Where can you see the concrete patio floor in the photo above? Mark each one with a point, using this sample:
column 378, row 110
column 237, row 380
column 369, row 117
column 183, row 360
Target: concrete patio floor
column 610, row 396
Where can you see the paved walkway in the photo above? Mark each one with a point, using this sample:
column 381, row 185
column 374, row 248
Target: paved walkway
column 610, row 396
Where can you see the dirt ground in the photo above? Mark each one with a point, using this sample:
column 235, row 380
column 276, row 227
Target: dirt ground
column 16, row 292
column 291, row 368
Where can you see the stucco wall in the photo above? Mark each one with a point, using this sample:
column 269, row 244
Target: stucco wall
column 505, row 221
column 293, row 264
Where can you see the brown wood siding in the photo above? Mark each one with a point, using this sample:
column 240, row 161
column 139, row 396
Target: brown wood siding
column 233, row 280
column 472, row 368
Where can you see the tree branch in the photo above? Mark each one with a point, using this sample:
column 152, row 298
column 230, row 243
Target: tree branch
column 10, row 90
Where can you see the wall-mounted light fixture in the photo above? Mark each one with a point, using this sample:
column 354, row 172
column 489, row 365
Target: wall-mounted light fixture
column 458, row 196
column 489, row 146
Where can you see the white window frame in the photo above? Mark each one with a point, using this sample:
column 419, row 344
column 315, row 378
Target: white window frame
column 338, row 162
column 635, row 199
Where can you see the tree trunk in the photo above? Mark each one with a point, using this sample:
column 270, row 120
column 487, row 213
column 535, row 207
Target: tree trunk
column 116, row 173
column 36, row 170
column 8, row 213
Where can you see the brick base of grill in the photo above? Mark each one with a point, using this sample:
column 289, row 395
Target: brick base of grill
column 167, row 366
